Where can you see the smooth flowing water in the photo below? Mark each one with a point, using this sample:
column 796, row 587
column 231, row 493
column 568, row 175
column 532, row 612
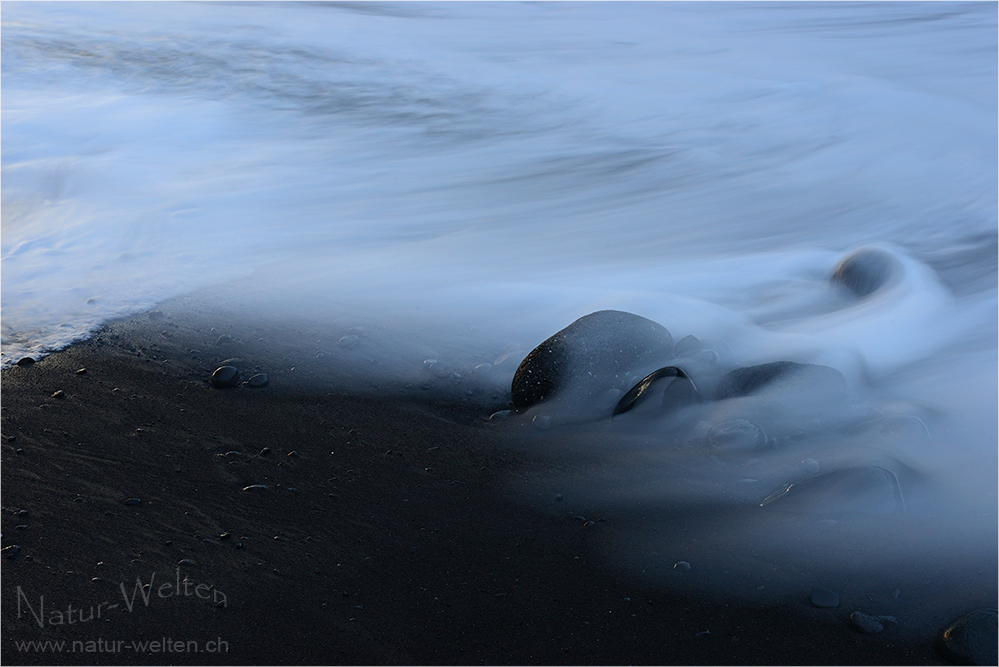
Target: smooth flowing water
column 502, row 169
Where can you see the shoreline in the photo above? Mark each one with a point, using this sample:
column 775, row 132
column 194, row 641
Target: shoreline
column 386, row 533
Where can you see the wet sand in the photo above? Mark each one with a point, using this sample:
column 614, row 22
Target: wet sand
column 385, row 533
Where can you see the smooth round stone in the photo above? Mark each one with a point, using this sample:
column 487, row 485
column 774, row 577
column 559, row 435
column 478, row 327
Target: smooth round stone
column 25, row 361
column 866, row 271
column 901, row 430
column 971, row 639
column 825, row 598
column 225, row 377
column 258, row 380
column 132, row 501
column 349, row 342
column 810, row 466
column 737, row 436
column 686, row 345
column 786, row 380
column 866, row 623
column 590, row 356
column 499, row 416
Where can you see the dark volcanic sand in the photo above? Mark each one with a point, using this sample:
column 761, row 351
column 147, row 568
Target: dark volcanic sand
column 386, row 538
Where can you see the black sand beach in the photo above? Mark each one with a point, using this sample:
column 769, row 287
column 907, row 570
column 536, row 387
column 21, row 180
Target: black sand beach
column 384, row 534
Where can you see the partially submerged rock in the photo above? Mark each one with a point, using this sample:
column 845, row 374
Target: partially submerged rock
column 971, row 639
column 595, row 353
column 785, row 379
column 737, row 436
column 867, row 271
column 850, row 491
column 677, row 390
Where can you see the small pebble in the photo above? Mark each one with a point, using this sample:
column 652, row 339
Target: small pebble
column 866, row 623
column 499, row 416
column 224, row 339
column 225, row 377
column 58, row 394
column 25, row 361
column 257, row 381
column 542, row 422
column 265, row 451
column 255, row 488
column 737, row 436
column 186, row 561
column 81, row 371
column 825, row 598
column 349, row 342
column 686, row 345
column 132, row 501
column 682, row 566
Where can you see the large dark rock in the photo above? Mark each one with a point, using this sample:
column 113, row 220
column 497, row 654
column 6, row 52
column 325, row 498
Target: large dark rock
column 593, row 354
column 785, row 379
column 866, row 271
column 972, row 639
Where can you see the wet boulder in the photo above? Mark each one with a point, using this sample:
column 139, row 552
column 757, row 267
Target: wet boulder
column 600, row 352
column 867, row 271
column 971, row 639
column 785, row 379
